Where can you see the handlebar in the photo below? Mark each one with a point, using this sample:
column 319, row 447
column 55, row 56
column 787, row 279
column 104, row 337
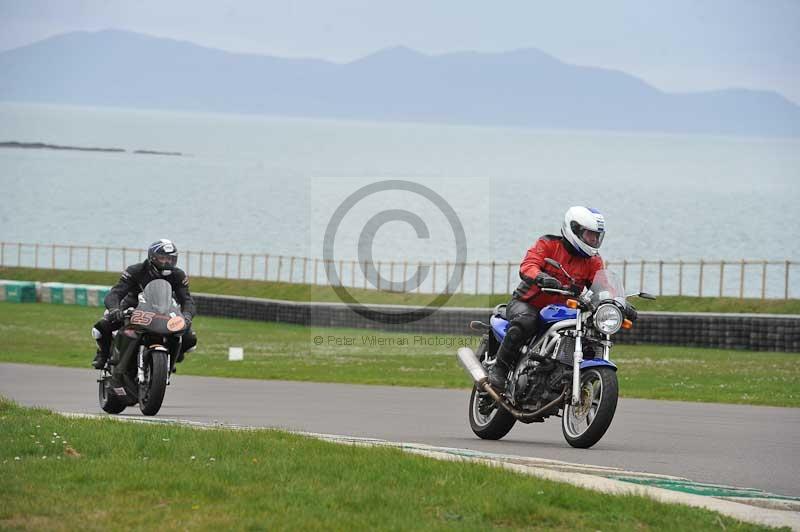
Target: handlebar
column 558, row 291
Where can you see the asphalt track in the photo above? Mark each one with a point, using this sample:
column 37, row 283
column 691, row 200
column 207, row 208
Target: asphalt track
column 735, row 445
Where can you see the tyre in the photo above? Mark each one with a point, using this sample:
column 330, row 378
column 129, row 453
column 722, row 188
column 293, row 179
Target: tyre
column 486, row 419
column 583, row 425
column 151, row 391
column 109, row 401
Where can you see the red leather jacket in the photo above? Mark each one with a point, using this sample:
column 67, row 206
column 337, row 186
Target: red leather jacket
column 582, row 269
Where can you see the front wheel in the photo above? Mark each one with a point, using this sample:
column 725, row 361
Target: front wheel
column 488, row 420
column 583, row 425
column 151, row 391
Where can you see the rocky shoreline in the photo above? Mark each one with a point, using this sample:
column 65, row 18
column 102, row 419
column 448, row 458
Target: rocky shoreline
column 43, row 146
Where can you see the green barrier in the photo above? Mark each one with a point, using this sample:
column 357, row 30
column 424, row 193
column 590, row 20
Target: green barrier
column 18, row 291
column 69, row 294
column 81, row 296
column 96, row 295
column 85, row 295
column 52, row 293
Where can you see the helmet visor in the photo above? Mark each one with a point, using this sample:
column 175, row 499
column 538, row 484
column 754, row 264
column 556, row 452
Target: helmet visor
column 590, row 238
column 163, row 261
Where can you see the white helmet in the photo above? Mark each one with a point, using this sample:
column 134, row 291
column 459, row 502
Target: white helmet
column 584, row 229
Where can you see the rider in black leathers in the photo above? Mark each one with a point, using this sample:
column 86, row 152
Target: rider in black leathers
column 162, row 257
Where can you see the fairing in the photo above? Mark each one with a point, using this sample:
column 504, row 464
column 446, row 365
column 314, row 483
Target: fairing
column 499, row 327
column 157, row 297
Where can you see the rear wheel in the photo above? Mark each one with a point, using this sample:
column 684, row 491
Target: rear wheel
column 486, row 419
column 584, row 424
column 151, row 391
column 109, row 401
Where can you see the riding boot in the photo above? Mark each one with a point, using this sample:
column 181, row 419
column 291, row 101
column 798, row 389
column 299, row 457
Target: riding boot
column 505, row 360
column 100, row 359
column 102, row 337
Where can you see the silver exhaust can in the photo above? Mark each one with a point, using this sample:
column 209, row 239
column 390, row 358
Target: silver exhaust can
column 471, row 363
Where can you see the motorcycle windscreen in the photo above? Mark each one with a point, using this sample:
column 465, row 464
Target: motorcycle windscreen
column 157, row 297
column 607, row 285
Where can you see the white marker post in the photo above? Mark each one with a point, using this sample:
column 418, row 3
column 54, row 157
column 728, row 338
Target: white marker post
column 236, row 353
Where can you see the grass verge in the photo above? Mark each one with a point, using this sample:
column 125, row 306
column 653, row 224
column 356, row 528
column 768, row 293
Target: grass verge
column 59, row 335
column 75, row 474
column 304, row 292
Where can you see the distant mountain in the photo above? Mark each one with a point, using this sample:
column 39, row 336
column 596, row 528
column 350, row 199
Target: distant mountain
column 519, row 88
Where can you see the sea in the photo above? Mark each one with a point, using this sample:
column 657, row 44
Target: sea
column 391, row 191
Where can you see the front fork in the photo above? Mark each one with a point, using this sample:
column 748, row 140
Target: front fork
column 140, row 366
column 577, row 358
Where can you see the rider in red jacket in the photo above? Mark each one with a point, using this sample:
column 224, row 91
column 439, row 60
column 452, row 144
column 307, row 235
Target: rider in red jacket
column 577, row 249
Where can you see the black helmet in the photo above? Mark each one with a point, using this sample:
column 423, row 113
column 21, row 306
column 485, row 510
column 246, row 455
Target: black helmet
column 162, row 255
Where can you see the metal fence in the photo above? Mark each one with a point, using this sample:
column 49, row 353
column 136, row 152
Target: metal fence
column 730, row 278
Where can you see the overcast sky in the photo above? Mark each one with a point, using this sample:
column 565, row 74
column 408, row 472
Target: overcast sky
column 676, row 45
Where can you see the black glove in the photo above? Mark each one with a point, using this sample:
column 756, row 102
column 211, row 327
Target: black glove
column 188, row 319
column 630, row 312
column 115, row 315
column 576, row 289
column 546, row 281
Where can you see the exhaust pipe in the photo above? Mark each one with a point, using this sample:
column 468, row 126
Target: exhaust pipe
column 472, row 365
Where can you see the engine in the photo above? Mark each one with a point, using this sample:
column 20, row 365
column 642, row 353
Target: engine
column 540, row 381
column 541, row 377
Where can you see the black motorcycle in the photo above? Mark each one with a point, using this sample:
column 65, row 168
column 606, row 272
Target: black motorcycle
column 143, row 352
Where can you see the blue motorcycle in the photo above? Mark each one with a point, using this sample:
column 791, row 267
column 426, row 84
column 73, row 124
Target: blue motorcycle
column 565, row 370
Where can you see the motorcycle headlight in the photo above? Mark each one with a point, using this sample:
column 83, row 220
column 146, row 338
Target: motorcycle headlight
column 608, row 318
